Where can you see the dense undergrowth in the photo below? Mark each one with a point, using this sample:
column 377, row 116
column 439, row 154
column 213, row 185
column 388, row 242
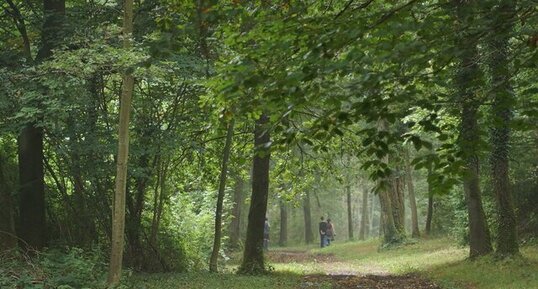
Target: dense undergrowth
column 54, row 268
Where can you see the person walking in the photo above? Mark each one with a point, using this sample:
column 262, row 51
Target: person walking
column 323, row 232
column 330, row 232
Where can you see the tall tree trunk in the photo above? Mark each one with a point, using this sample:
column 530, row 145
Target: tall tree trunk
column 365, row 224
column 283, row 238
column 118, row 215
column 8, row 238
column 502, row 93
column 213, row 262
column 349, row 213
column 373, row 205
column 32, row 230
column 308, row 236
column 415, row 232
column 235, row 224
column 429, row 214
column 465, row 80
column 30, row 143
column 253, row 260
column 397, row 200
column 391, row 234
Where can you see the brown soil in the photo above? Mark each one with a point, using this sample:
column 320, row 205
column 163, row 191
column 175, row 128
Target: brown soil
column 409, row 281
column 343, row 276
column 298, row 257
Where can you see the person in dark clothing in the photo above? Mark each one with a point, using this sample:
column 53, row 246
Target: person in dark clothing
column 329, row 233
column 323, row 232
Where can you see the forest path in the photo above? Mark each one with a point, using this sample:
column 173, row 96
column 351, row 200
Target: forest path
column 338, row 274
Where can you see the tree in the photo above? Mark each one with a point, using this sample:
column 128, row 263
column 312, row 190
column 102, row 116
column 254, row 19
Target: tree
column 220, row 197
column 307, row 215
column 349, row 213
column 466, row 79
column 365, row 224
column 415, row 233
column 429, row 213
column 118, row 217
column 503, row 15
column 253, row 260
column 30, row 143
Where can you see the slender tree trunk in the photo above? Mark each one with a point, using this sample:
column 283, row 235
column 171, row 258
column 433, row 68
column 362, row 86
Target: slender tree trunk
column 8, row 238
column 283, row 238
column 349, row 213
column 373, row 205
column 365, row 224
column 308, row 236
column 465, row 80
column 502, row 93
column 213, row 262
column 429, row 215
column 415, row 232
column 235, row 224
column 118, row 215
column 253, row 260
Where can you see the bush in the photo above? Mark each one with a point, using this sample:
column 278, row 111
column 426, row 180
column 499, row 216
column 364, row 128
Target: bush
column 53, row 269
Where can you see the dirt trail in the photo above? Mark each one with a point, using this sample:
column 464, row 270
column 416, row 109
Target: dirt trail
column 342, row 275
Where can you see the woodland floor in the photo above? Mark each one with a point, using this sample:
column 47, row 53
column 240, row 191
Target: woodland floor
column 420, row 264
column 339, row 274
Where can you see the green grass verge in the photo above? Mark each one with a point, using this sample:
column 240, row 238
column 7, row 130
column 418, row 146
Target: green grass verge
column 444, row 262
column 205, row 280
column 437, row 259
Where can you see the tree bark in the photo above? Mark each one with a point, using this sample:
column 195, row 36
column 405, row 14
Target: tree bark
column 365, row 224
column 415, row 232
column 466, row 80
column 397, row 200
column 283, row 238
column 213, row 262
column 501, row 112
column 391, row 234
column 308, row 236
column 349, row 213
column 32, row 230
column 429, row 215
column 253, row 260
column 118, row 215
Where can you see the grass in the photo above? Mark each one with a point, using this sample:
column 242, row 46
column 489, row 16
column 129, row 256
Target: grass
column 444, row 262
column 417, row 256
column 517, row 273
column 437, row 259
column 205, row 280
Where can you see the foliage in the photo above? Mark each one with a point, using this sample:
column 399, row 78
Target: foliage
column 55, row 268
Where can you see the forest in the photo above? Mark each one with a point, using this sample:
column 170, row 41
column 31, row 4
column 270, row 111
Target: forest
column 204, row 144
